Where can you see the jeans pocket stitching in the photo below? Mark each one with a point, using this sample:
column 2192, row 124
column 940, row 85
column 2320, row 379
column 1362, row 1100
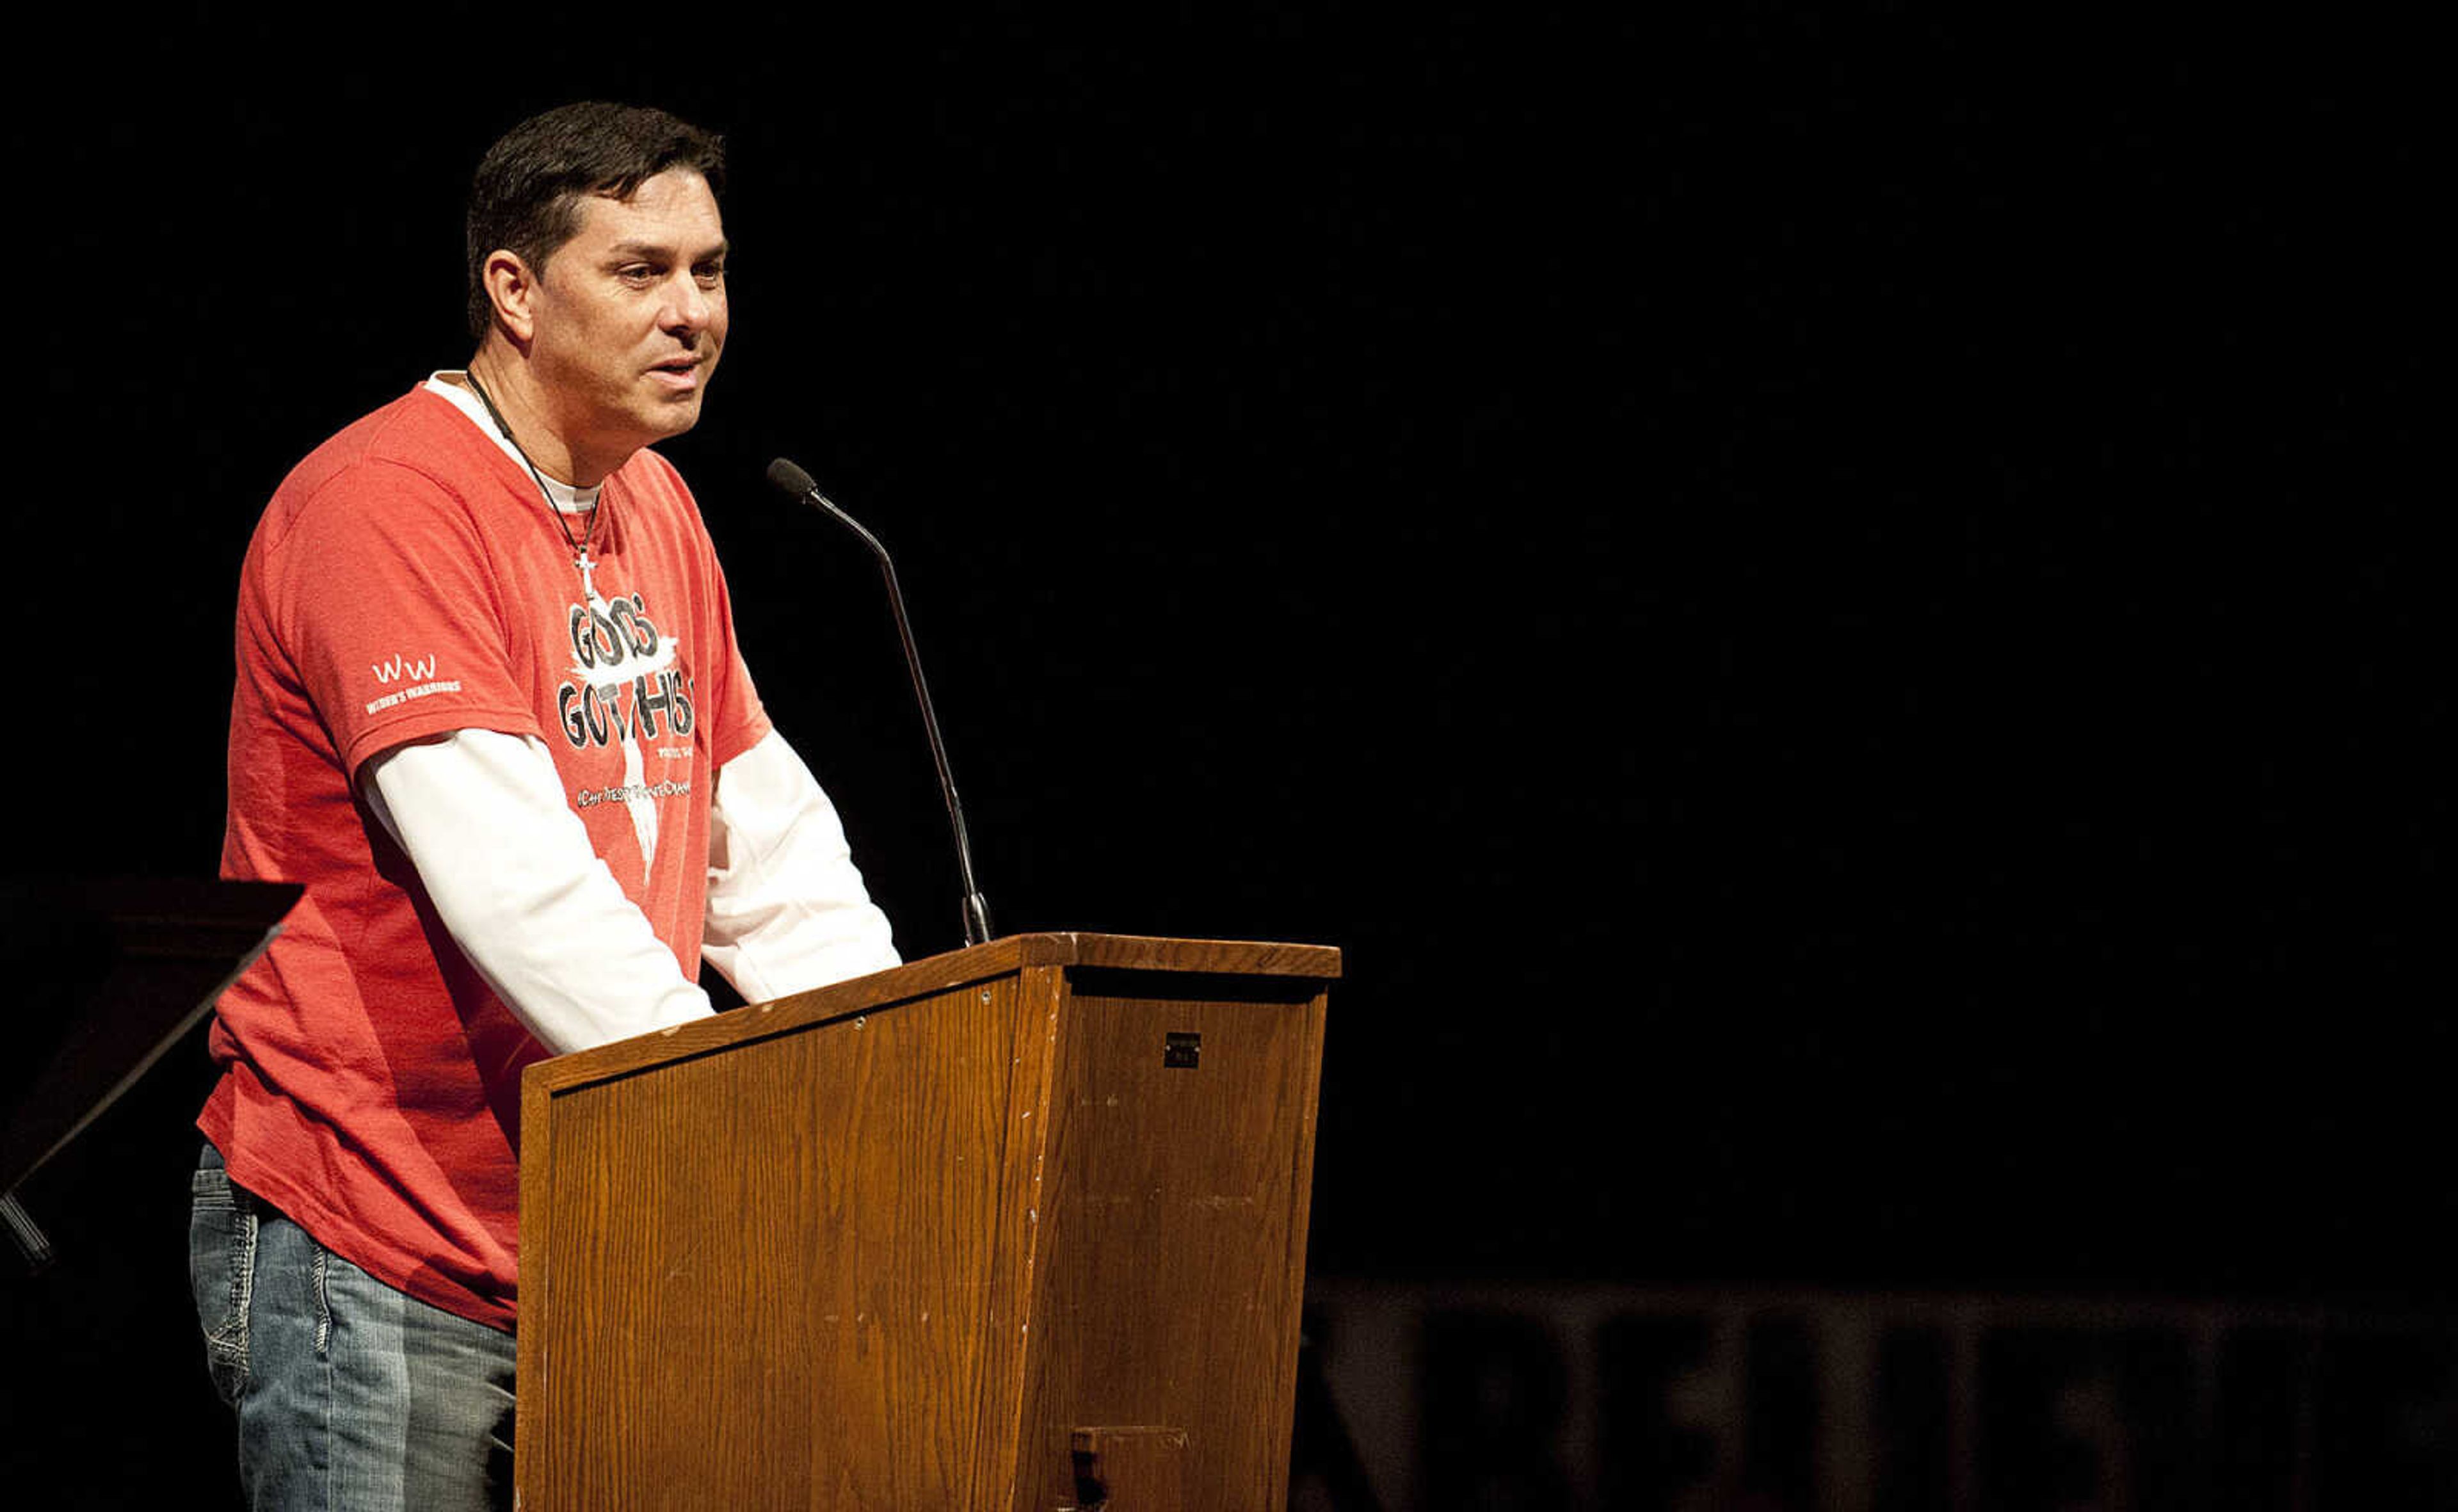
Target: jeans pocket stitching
column 324, row 1300
column 226, row 1338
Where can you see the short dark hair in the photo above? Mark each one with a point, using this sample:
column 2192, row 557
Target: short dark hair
column 526, row 196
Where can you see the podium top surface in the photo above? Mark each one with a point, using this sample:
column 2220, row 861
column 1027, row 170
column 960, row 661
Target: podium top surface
column 1155, row 953
column 914, row 979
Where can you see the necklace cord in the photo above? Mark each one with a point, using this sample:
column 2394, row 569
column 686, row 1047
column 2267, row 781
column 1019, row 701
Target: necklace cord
column 579, row 548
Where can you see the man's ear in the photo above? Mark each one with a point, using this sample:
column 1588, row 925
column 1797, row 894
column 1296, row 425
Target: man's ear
column 512, row 288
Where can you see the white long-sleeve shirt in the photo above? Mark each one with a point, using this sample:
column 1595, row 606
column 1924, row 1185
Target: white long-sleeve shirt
column 481, row 816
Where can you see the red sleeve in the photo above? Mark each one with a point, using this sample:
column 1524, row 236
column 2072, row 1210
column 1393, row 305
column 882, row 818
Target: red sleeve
column 389, row 606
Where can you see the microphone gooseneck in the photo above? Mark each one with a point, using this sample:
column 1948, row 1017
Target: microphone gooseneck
column 793, row 481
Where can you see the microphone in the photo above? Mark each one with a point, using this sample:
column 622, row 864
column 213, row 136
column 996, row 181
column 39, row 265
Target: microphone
column 796, row 483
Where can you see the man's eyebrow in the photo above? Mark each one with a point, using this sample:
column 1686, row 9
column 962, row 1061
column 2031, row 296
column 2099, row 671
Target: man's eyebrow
column 659, row 249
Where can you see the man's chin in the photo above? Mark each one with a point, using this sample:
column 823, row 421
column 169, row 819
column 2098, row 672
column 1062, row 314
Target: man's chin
column 671, row 419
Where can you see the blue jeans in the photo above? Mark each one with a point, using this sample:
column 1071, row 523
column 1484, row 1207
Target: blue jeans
column 351, row 1396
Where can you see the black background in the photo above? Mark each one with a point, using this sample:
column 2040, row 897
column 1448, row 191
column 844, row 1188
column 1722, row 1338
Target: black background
column 1829, row 604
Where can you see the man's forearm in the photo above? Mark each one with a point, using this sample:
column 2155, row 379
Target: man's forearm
column 508, row 865
column 786, row 908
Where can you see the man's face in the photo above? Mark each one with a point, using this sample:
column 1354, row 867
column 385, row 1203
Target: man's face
column 630, row 316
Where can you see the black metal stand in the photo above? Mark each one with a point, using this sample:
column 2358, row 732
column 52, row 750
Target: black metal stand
column 22, row 1228
column 117, row 972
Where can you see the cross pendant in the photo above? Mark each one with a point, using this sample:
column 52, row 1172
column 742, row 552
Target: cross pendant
column 587, row 564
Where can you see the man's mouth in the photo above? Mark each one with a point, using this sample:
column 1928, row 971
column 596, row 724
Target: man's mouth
column 679, row 371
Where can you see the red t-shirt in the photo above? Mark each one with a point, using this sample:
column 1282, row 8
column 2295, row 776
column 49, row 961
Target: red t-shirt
column 408, row 580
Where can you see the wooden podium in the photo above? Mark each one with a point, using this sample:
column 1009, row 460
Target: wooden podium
column 1010, row 1229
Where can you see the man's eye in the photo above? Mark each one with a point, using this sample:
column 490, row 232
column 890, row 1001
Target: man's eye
column 636, row 274
column 710, row 274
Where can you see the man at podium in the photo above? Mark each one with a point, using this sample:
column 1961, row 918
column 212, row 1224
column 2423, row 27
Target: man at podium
column 491, row 712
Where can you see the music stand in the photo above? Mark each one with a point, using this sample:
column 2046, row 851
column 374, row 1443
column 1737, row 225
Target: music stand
column 132, row 965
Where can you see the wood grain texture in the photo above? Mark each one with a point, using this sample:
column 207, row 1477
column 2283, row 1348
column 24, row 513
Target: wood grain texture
column 766, row 1275
column 886, row 1245
column 1239, row 956
column 1136, row 1469
column 1174, row 1236
column 1040, row 994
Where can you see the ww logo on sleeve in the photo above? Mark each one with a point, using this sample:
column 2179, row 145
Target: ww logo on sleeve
column 398, row 669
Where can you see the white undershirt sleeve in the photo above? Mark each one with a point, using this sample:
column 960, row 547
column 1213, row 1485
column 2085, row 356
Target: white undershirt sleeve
column 481, row 817
column 786, row 908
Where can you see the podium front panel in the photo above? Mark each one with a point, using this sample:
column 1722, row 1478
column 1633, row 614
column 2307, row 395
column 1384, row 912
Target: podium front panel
column 771, row 1269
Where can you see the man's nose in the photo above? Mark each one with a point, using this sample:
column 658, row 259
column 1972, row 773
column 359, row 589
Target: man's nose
column 689, row 307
